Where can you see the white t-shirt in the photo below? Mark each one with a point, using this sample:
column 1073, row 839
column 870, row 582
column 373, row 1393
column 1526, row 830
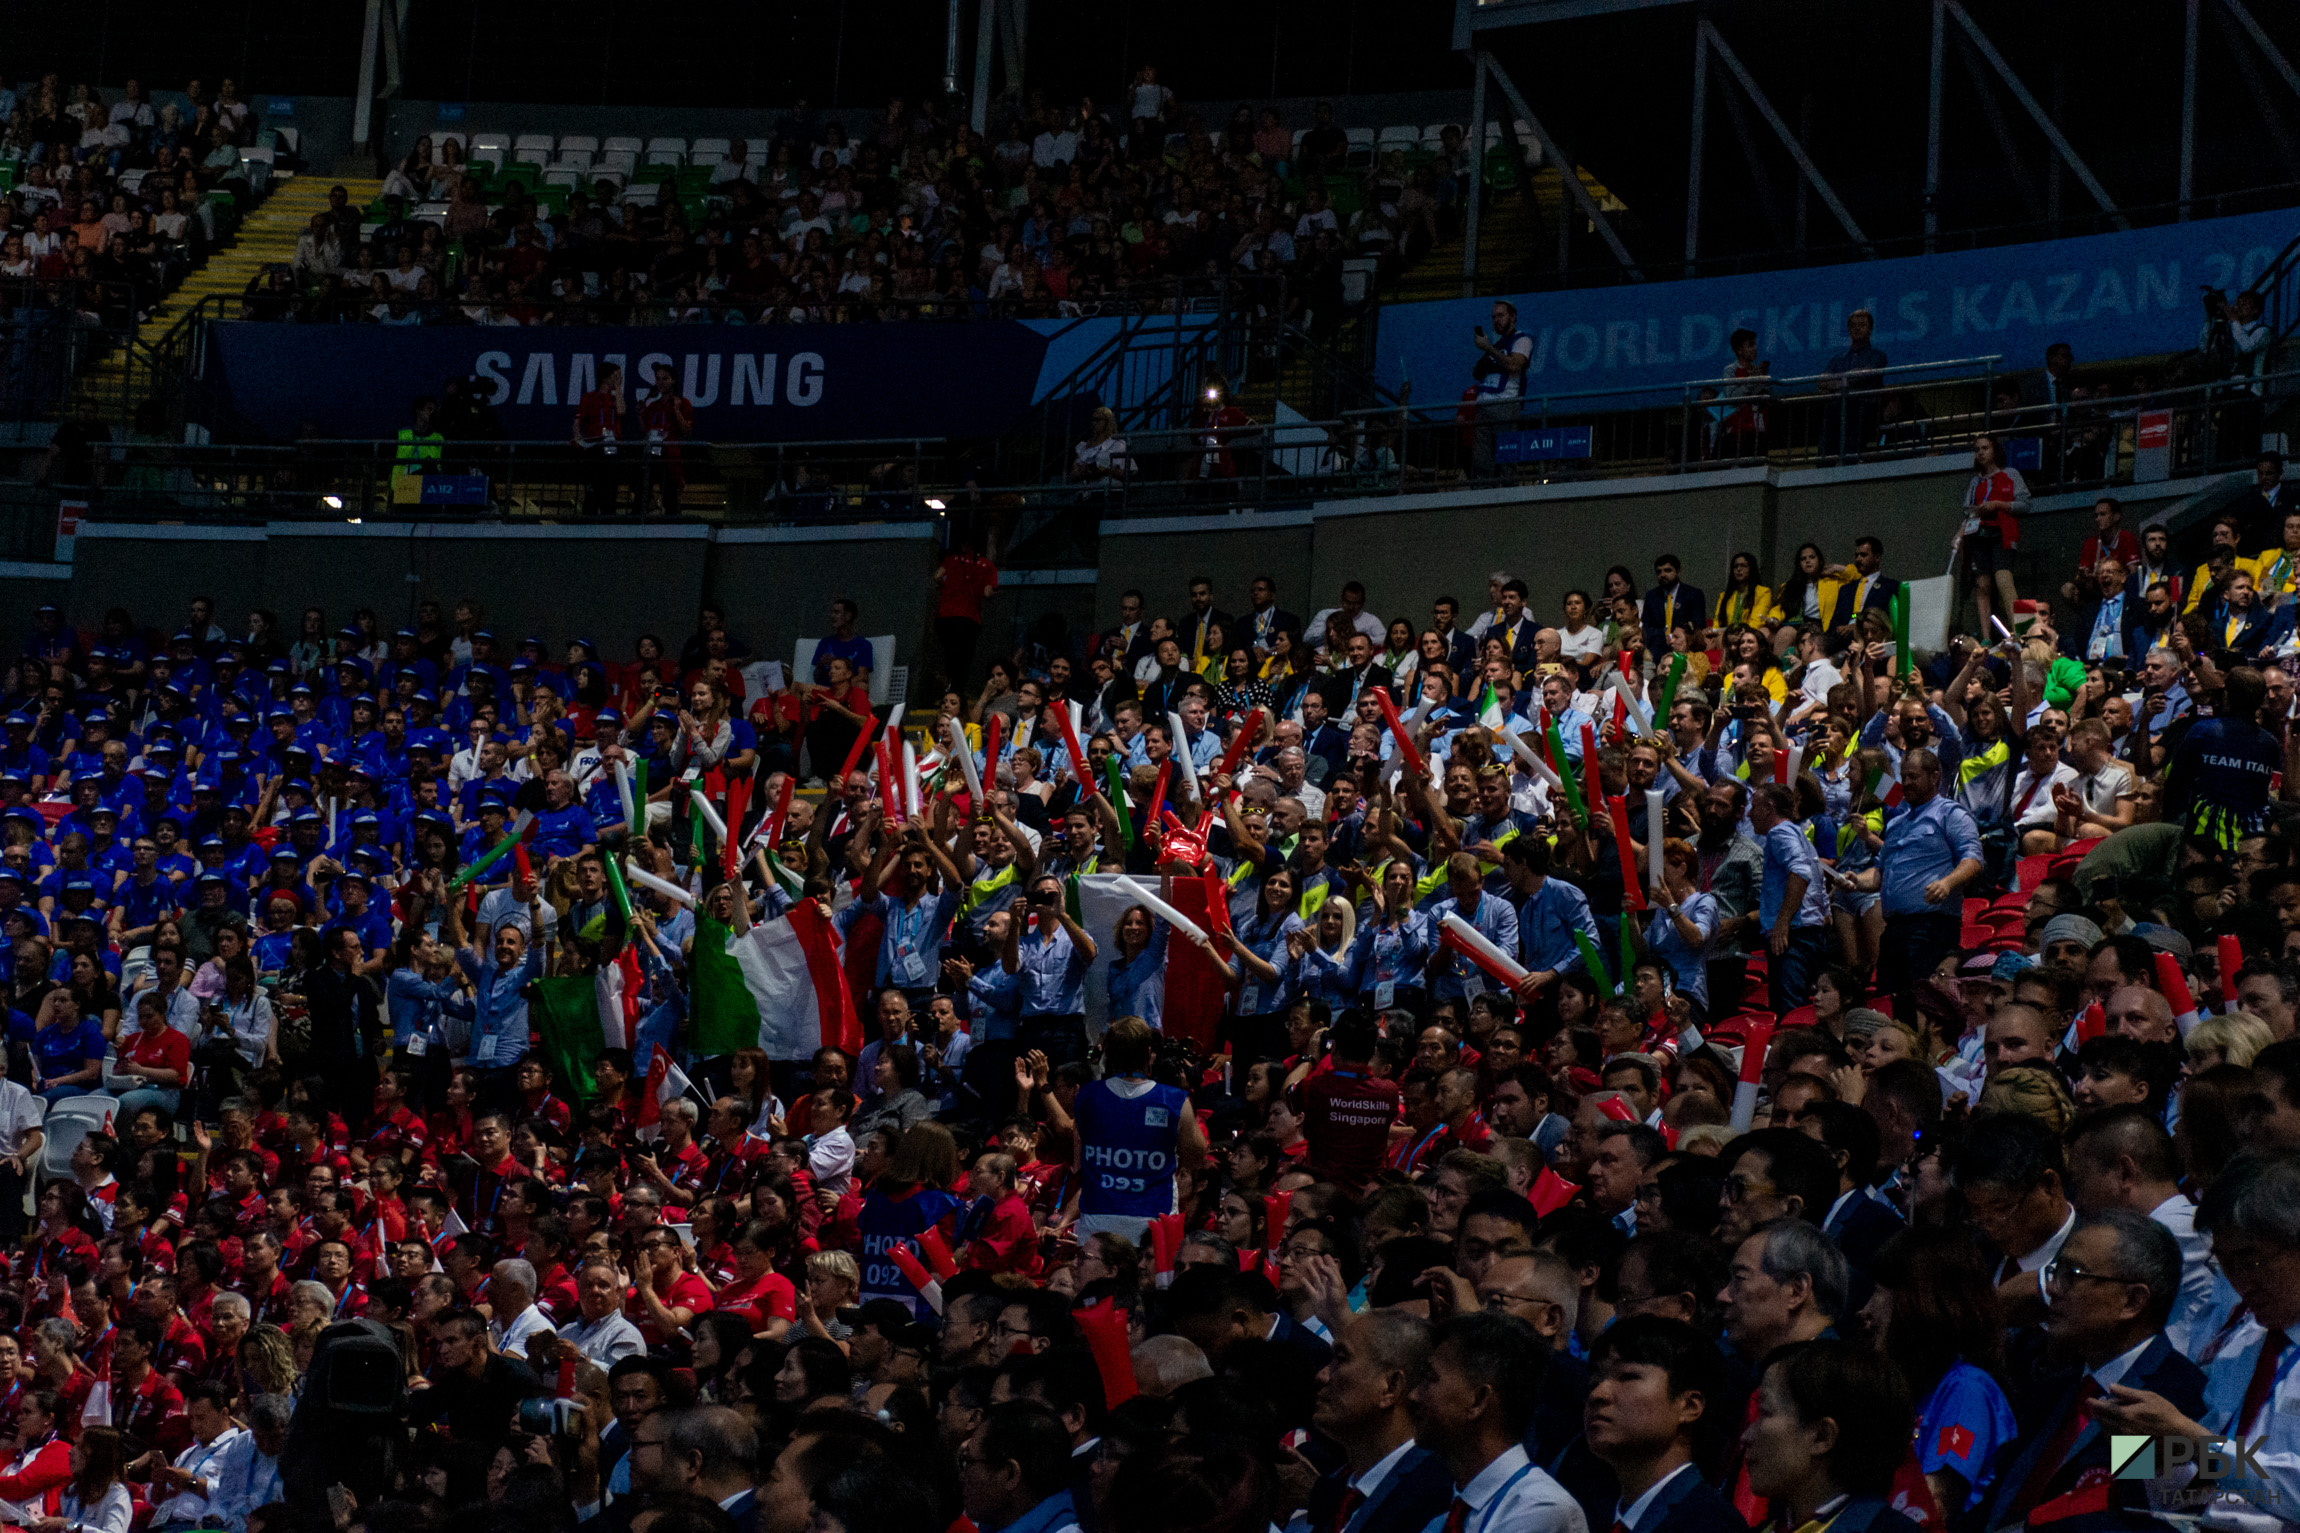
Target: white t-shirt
column 1589, row 644
column 502, row 908
column 2100, row 790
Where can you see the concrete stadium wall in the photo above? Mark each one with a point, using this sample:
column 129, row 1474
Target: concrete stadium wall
column 611, row 584
column 776, row 584
column 1411, row 549
column 1158, row 555
column 606, row 584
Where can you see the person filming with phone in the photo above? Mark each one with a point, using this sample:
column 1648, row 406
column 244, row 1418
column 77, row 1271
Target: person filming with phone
column 1053, row 961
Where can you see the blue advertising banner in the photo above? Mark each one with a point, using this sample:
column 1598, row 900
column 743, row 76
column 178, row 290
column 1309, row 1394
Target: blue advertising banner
column 799, row 383
column 2108, row 295
column 1541, row 446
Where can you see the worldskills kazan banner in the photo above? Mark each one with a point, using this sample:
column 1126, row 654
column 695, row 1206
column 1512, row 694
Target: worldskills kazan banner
column 2130, row 294
column 781, row 383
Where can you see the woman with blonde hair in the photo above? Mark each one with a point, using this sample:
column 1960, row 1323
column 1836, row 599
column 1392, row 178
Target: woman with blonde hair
column 1102, row 457
column 834, row 1282
column 2032, row 1090
column 2232, row 1038
column 268, row 1361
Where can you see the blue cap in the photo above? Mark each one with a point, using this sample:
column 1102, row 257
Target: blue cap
column 366, row 854
column 302, row 689
column 211, row 843
column 307, row 817
column 2010, row 965
column 102, row 808
column 211, row 876
column 10, row 774
column 81, row 880
column 277, row 668
column 425, row 696
column 159, row 744
column 489, row 801
column 20, row 812
column 297, row 785
column 286, row 853
column 366, row 817
column 608, row 716
column 350, row 873
column 240, row 720
column 20, row 720
column 404, row 633
column 181, row 636
column 11, row 875
column 95, row 718
column 277, row 715
column 485, row 633
column 226, row 754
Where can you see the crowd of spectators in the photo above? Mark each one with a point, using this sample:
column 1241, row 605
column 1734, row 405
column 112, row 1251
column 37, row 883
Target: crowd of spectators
column 1065, row 208
column 109, row 201
column 1677, row 1062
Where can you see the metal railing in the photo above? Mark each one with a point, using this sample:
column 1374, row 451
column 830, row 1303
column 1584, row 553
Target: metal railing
column 1908, row 411
column 276, row 293
column 322, row 480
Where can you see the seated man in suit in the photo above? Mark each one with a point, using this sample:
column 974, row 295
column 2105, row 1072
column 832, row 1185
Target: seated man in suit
column 1670, row 596
column 1863, row 586
column 2113, row 1285
column 1658, row 1406
column 1386, row 1483
column 2113, row 620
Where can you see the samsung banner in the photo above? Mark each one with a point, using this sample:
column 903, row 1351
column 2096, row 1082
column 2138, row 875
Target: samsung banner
column 2108, row 295
column 779, row 383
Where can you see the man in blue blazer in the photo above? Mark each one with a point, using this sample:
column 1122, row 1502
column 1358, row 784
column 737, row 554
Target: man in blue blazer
column 1386, row 1483
column 2112, row 1287
column 1658, row 1404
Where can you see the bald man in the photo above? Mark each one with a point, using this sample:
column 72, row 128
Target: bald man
column 2139, row 1013
column 2017, row 1035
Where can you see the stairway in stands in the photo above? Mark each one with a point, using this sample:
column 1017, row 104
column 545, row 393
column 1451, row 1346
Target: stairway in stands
column 268, row 235
column 1509, row 247
column 1511, row 252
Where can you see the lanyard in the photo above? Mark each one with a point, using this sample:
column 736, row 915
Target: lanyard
column 1485, row 1517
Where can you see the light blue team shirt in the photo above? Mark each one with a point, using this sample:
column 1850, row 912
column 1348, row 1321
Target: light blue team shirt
column 1789, row 852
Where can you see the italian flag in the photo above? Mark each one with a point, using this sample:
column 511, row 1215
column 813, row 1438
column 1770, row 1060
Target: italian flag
column 785, row 878
column 579, row 1016
column 1887, row 786
column 1489, row 712
column 789, row 970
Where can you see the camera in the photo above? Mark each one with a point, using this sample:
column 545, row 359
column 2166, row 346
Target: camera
column 542, row 1417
